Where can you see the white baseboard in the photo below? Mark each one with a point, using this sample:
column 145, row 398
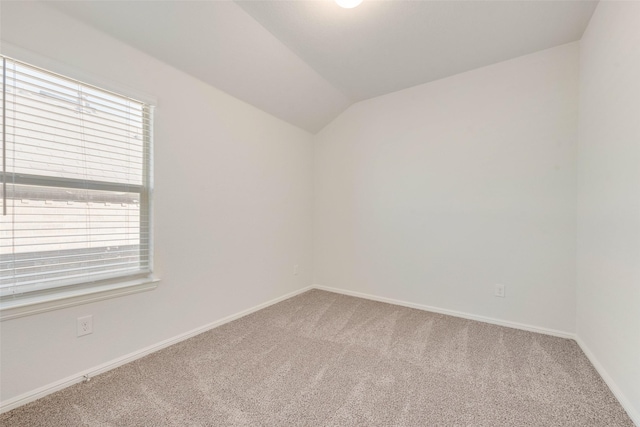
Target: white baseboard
column 626, row 404
column 79, row 377
column 508, row 324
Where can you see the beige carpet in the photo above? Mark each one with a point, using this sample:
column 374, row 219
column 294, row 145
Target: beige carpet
column 323, row 359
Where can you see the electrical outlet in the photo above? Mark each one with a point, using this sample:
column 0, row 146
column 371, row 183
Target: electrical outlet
column 499, row 291
column 85, row 325
column 295, row 270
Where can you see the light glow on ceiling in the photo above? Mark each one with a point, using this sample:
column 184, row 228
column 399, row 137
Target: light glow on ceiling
column 348, row 4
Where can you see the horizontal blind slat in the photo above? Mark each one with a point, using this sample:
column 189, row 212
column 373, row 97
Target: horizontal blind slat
column 80, row 164
column 47, row 256
column 63, row 174
column 88, row 269
column 57, row 143
column 133, row 228
column 134, row 160
column 69, row 237
column 84, row 139
column 55, row 266
column 17, row 103
column 26, row 262
column 80, row 121
column 16, row 76
column 124, row 140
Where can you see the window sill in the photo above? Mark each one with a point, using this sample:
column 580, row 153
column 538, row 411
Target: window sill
column 29, row 305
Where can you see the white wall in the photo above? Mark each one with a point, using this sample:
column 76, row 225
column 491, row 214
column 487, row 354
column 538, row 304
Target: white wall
column 609, row 195
column 434, row 194
column 232, row 209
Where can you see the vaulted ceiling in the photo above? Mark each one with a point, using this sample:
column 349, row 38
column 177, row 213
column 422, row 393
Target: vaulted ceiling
column 307, row 61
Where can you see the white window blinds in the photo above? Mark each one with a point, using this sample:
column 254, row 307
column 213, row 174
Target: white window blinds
column 76, row 183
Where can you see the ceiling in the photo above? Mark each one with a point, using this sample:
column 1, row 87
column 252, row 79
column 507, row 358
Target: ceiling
column 218, row 43
column 384, row 46
column 307, row 61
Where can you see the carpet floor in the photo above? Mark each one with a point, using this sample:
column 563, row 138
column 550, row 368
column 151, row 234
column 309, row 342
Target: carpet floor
column 324, row 359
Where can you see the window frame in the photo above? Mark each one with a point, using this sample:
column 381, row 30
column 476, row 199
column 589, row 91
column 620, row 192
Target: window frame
column 60, row 296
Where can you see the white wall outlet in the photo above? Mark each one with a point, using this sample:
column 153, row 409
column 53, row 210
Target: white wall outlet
column 85, row 325
column 499, row 291
column 295, row 270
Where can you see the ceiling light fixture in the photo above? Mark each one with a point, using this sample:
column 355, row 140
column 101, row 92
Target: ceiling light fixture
column 348, row 4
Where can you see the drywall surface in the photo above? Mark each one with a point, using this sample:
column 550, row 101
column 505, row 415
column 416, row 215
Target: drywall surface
column 608, row 285
column 435, row 194
column 233, row 190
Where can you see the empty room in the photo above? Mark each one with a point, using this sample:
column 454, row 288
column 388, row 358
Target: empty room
column 320, row 213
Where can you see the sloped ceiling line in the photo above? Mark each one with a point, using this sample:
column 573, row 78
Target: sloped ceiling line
column 307, row 61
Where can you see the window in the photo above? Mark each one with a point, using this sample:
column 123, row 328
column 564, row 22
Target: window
column 76, row 184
